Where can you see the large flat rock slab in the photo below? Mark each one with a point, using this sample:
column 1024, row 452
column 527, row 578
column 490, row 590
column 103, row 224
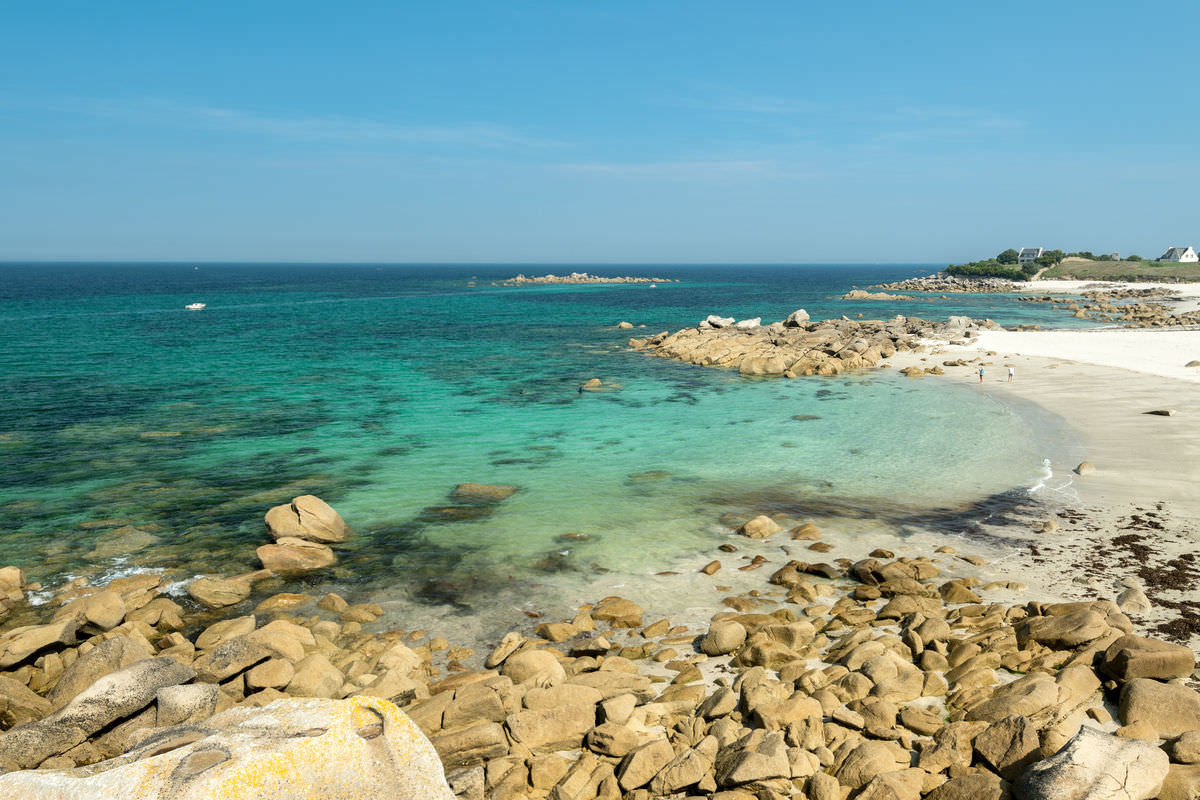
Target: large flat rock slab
column 289, row 750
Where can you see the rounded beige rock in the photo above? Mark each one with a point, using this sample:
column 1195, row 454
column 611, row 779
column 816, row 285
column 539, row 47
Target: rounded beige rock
column 760, row 527
column 306, row 517
column 218, row 592
column 292, row 556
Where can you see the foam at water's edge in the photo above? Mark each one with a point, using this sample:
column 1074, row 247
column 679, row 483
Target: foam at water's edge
column 1063, row 492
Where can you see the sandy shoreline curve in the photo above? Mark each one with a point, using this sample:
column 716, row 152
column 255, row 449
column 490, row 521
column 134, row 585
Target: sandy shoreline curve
column 1135, row 520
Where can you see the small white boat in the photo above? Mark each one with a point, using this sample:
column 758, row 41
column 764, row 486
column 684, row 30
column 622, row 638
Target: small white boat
column 195, row 306
column 654, row 286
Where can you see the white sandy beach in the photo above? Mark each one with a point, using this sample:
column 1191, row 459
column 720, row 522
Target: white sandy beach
column 1161, row 352
column 1189, row 293
column 1103, row 383
column 1136, row 518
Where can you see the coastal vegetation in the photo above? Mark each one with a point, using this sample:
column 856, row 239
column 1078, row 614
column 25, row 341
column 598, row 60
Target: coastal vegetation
column 1131, row 268
column 1076, row 265
column 1006, row 265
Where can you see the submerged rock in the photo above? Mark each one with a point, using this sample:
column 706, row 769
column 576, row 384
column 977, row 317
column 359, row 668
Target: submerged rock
column 483, row 492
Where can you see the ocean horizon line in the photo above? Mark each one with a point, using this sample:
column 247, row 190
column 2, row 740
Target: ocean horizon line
column 538, row 264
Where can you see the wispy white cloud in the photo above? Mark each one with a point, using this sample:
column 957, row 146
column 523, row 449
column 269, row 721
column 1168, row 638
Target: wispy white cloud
column 899, row 118
column 680, row 170
column 331, row 128
column 950, row 118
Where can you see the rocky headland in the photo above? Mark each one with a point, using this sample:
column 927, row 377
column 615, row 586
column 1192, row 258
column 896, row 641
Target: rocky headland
column 874, row 678
column 576, row 277
column 1131, row 308
column 799, row 346
column 945, row 283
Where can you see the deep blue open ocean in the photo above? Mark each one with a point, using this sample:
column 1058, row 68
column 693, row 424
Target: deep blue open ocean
column 381, row 387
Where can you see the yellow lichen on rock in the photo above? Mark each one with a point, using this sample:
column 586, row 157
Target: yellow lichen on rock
column 289, row 750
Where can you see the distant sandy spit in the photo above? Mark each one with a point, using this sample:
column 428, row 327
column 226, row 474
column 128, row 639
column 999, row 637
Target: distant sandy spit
column 1154, row 351
column 1189, row 293
column 1074, row 287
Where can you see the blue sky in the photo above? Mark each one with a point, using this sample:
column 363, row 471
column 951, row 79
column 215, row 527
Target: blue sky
column 595, row 132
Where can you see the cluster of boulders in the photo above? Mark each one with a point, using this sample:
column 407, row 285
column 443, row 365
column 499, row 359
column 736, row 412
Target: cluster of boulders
column 1115, row 306
column 946, row 283
column 871, row 680
column 879, row 679
column 799, row 346
column 127, row 634
column 302, row 530
column 579, row 277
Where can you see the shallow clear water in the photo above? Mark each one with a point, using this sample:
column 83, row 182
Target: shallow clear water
column 380, row 388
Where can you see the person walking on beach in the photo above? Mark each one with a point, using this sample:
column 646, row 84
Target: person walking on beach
column 1012, row 373
column 981, row 373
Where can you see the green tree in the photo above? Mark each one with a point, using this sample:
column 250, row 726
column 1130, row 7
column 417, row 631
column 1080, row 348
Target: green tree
column 1009, row 256
column 1050, row 258
column 1133, row 258
column 986, row 269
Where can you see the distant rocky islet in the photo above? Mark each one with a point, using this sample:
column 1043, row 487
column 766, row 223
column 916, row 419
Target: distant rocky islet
column 577, row 278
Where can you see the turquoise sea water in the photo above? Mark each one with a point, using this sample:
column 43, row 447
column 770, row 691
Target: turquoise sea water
column 380, row 388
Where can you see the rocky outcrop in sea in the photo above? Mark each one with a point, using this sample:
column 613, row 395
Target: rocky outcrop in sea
column 799, row 346
column 945, row 283
column 578, row 277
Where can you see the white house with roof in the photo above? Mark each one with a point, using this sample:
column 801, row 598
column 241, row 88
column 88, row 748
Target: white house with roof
column 1183, row 255
column 1028, row 254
